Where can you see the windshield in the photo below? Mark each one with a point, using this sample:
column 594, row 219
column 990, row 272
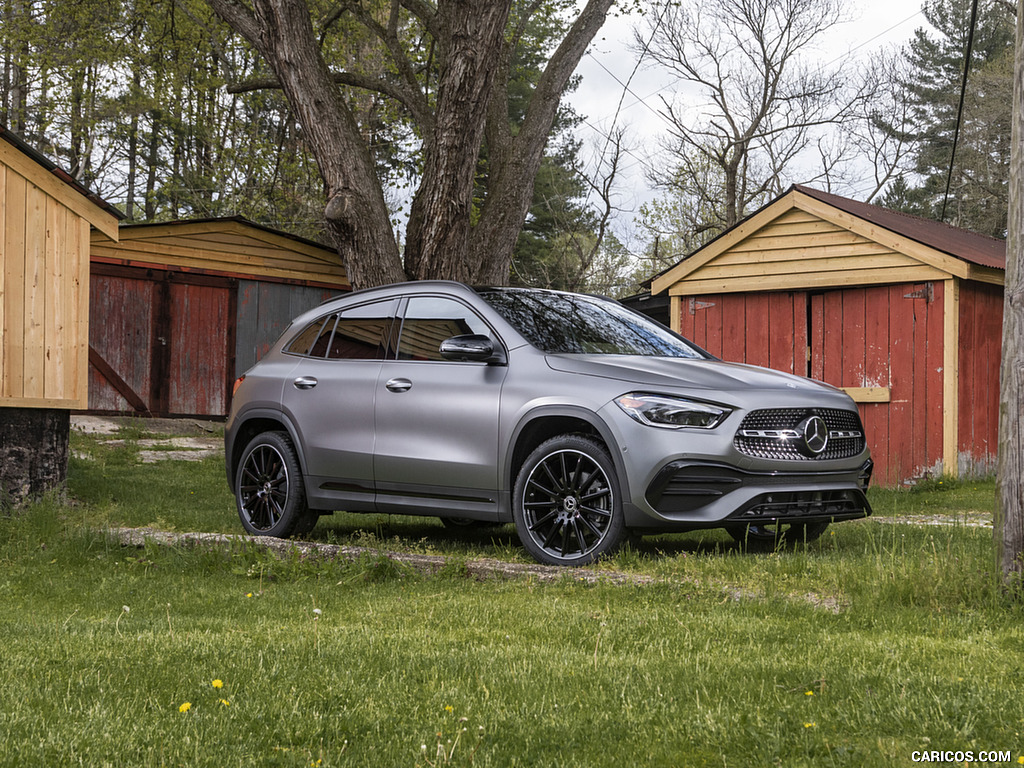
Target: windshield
column 569, row 323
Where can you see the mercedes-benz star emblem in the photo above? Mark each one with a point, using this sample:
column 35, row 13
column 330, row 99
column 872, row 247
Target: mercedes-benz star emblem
column 815, row 434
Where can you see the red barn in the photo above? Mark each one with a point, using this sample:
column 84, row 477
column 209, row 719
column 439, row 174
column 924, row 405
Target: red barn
column 903, row 313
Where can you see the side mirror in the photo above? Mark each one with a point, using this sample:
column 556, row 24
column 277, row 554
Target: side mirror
column 471, row 347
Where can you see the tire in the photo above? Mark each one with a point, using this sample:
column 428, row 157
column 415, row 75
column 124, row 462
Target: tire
column 767, row 538
column 269, row 493
column 566, row 502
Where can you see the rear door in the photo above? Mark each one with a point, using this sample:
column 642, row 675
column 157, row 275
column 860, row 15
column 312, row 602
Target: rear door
column 330, row 397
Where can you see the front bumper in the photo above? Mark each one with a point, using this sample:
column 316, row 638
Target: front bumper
column 707, row 494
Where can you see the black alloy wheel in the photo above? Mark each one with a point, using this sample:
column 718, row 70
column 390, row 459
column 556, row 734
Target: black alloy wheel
column 269, row 494
column 566, row 502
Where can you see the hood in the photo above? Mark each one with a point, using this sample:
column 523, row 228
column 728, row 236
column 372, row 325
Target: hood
column 672, row 372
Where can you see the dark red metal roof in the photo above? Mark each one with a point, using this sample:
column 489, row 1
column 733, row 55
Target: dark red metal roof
column 968, row 246
column 22, row 146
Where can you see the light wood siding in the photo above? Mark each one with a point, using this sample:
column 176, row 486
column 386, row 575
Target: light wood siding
column 222, row 247
column 800, row 250
column 44, row 278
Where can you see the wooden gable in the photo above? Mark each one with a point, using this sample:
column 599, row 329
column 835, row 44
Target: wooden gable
column 226, row 247
column 801, row 243
column 45, row 221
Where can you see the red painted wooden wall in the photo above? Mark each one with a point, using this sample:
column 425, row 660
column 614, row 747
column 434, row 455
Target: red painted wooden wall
column 886, row 336
column 981, row 323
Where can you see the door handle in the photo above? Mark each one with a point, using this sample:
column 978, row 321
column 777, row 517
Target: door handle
column 398, row 385
column 305, row 382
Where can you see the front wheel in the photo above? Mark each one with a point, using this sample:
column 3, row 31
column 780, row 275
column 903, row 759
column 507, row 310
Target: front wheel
column 767, row 537
column 269, row 494
column 566, row 502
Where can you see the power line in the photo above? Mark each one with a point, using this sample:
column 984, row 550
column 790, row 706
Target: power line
column 960, row 108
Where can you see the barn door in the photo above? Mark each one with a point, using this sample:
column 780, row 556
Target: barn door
column 160, row 343
column 766, row 329
column 884, row 344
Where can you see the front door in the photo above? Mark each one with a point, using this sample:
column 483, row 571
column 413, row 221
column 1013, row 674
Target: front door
column 436, row 419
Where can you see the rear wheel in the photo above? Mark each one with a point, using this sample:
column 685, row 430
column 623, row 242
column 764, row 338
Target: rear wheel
column 769, row 536
column 269, row 494
column 566, row 502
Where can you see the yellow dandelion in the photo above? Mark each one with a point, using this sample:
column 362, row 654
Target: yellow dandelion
column 809, row 693
column 1020, row 760
column 225, row 702
column 217, row 683
column 248, row 594
column 449, row 708
column 810, row 725
column 185, row 707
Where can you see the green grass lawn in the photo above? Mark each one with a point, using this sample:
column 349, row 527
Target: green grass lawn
column 878, row 641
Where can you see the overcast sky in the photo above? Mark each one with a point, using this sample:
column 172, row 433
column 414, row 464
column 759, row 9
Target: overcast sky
column 609, row 64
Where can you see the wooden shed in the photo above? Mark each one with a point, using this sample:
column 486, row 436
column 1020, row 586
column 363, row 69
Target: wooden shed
column 180, row 309
column 45, row 218
column 903, row 313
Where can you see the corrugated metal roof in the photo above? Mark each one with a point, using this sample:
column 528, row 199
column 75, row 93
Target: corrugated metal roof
column 977, row 249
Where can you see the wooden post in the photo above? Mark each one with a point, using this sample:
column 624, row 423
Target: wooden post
column 1009, row 522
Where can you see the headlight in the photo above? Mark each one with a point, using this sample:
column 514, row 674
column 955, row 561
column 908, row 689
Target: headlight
column 671, row 412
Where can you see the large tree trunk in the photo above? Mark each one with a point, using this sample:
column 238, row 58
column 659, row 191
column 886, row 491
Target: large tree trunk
column 357, row 216
column 1009, row 524
column 437, row 242
column 33, row 452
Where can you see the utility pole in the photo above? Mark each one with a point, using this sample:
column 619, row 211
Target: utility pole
column 1009, row 522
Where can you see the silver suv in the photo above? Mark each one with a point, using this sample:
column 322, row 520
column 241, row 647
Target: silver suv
column 575, row 418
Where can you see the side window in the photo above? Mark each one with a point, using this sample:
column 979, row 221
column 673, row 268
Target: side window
column 360, row 333
column 429, row 321
column 300, row 344
column 320, row 345
column 363, row 333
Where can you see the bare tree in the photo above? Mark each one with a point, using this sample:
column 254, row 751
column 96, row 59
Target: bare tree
column 761, row 100
column 1009, row 524
column 453, row 85
column 883, row 130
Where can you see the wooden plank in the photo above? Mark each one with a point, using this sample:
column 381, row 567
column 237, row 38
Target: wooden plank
column 901, row 417
column 253, row 266
column 757, row 338
column 917, row 298
column 818, row 264
column 854, row 341
column 869, row 394
column 61, row 191
column 675, row 315
column 932, row 373
column 58, row 284
column 782, row 333
column 951, row 377
column 816, row 333
column 78, row 245
column 877, row 378
column 14, row 280
column 35, row 290
column 809, row 281
column 792, row 252
column 714, row 334
column 735, row 325
column 111, row 376
column 833, row 338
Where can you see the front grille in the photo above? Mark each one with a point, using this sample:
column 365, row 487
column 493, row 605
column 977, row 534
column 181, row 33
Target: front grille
column 836, row 505
column 772, row 434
